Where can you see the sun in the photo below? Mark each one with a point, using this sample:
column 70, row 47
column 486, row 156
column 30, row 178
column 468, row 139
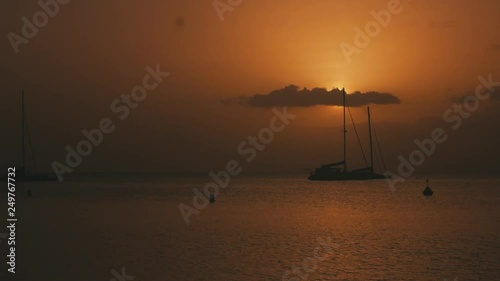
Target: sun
column 338, row 85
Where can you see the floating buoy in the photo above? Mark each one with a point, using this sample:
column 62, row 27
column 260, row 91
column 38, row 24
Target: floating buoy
column 428, row 191
column 212, row 198
column 29, row 193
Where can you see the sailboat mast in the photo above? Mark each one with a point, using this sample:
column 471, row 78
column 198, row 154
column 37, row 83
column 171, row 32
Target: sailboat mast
column 345, row 131
column 22, row 130
column 370, row 134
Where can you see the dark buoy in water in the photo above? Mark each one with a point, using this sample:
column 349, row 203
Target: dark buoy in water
column 428, row 191
column 29, row 193
column 212, row 198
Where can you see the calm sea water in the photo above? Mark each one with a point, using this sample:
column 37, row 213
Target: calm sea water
column 259, row 228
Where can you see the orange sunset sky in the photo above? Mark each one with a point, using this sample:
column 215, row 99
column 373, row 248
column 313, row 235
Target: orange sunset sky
column 429, row 56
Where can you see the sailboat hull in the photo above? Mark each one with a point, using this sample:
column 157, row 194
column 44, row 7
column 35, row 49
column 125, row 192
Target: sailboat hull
column 337, row 178
column 328, row 174
column 347, row 177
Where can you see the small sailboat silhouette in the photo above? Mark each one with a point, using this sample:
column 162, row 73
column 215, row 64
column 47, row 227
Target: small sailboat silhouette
column 23, row 173
column 428, row 191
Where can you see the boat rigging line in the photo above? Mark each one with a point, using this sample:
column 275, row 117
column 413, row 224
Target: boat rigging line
column 357, row 135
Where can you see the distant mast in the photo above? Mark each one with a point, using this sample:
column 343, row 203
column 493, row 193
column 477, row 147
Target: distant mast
column 23, row 174
column 345, row 131
column 371, row 143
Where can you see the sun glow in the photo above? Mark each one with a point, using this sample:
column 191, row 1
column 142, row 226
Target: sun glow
column 338, row 85
column 335, row 108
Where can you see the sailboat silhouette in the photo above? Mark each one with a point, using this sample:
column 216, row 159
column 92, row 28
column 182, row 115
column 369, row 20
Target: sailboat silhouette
column 24, row 173
column 338, row 171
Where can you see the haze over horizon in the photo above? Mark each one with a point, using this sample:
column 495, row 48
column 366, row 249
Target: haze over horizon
column 422, row 63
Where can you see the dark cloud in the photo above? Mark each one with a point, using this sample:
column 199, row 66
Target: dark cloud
column 291, row 96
